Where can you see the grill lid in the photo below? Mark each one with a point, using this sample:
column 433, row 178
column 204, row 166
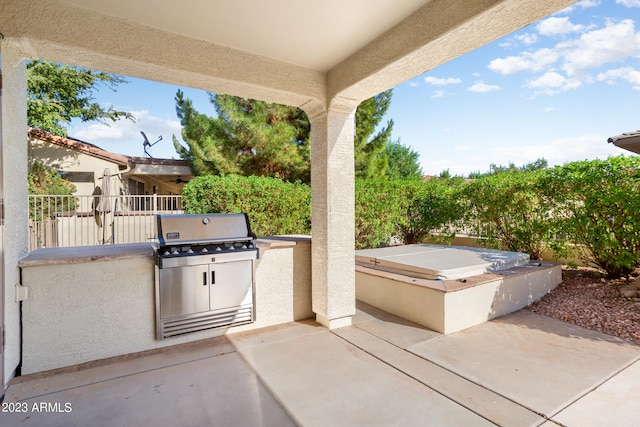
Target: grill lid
column 189, row 229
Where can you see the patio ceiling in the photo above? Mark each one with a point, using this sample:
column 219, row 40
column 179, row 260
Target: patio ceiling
column 312, row 34
column 288, row 51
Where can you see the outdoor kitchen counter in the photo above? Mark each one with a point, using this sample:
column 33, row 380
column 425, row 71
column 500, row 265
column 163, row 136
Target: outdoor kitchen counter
column 272, row 242
column 84, row 304
column 80, row 254
column 72, row 255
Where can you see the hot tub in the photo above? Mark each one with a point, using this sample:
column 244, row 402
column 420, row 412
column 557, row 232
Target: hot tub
column 439, row 262
column 450, row 288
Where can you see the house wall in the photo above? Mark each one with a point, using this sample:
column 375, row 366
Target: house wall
column 66, row 159
column 87, row 307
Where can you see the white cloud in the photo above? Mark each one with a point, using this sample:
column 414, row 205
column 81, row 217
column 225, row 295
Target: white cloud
column 568, row 64
column 436, row 81
column 526, row 39
column 123, row 136
column 584, row 4
column 463, row 148
column 628, row 74
column 526, row 61
column 551, row 83
column 558, row 151
column 554, row 26
column 629, row 3
column 549, row 109
column 438, row 94
column 482, row 87
column 97, row 131
column 615, row 42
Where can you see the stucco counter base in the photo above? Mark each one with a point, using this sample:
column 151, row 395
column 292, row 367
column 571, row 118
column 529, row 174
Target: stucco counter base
column 448, row 306
column 92, row 303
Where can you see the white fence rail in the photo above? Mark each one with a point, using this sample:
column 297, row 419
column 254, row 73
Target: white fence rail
column 57, row 221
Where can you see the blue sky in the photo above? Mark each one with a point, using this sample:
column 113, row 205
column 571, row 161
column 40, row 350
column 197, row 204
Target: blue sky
column 556, row 89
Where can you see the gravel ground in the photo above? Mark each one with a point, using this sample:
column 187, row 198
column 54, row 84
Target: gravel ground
column 586, row 299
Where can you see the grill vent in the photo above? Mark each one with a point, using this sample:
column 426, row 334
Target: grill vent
column 231, row 317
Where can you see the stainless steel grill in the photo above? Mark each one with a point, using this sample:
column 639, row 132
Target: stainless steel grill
column 204, row 272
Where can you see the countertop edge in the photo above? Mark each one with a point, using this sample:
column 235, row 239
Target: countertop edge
column 83, row 254
column 285, row 241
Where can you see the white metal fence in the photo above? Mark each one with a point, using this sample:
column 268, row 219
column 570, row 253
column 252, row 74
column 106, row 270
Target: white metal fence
column 57, row 221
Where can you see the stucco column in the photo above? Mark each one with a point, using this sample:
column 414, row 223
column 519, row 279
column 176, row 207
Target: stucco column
column 332, row 215
column 13, row 189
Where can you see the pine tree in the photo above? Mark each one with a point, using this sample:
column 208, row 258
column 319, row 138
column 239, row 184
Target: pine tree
column 370, row 158
column 247, row 137
column 403, row 162
column 251, row 137
column 203, row 150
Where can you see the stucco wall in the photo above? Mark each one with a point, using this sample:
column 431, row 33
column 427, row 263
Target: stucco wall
column 416, row 303
column 13, row 189
column 83, row 311
column 451, row 306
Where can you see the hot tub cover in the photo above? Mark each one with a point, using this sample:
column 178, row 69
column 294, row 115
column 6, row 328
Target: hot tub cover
column 439, row 262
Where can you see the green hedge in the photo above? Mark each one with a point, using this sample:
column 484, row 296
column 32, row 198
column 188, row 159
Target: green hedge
column 274, row 207
column 508, row 211
column 436, row 211
column 381, row 210
column 595, row 204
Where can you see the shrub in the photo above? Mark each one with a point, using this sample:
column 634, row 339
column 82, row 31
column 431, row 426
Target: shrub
column 274, row 207
column 43, row 180
column 598, row 208
column 407, row 211
column 380, row 209
column 508, row 212
column 435, row 211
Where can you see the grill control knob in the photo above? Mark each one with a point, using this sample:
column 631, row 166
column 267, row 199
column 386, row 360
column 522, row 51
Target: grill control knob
column 218, row 248
column 166, row 253
column 204, row 250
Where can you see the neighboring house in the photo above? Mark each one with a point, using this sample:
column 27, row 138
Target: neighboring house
column 85, row 164
column 120, row 210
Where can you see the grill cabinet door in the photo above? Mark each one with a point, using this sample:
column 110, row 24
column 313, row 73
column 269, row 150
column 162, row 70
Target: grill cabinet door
column 183, row 290
column 231, row 284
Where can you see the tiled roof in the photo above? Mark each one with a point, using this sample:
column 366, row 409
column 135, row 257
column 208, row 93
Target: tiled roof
column 95, row 151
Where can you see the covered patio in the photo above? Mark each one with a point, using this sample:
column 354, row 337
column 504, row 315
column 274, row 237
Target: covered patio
column 520, row 370
column 322, row 57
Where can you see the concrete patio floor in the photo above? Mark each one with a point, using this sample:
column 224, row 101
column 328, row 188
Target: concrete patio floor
column 519, row 370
